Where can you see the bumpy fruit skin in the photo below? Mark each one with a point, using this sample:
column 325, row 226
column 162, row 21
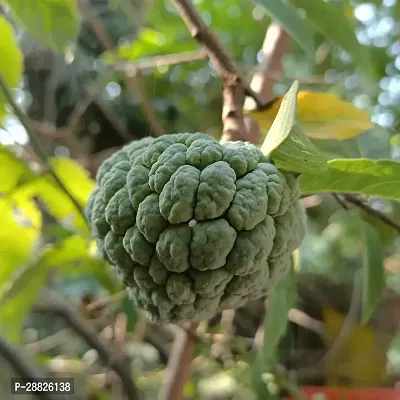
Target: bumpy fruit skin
column 192, row 226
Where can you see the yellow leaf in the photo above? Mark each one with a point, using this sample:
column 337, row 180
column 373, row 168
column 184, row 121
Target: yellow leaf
column 76, row 179
column 78, row 183
column 321, row 115
column 11, row 66
column 361, row 357
column 12, row 170
column 20, row 229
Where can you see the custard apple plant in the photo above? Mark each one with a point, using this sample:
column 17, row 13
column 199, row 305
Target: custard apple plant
column 193, row 226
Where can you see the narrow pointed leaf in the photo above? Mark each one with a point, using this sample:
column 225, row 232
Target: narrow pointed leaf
column 373, row 273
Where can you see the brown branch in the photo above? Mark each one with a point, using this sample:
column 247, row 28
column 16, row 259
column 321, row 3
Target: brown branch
column 274, row 48
column 178, row 369
column 372, row 211
column 58, row 306
column 235, row 86
column 21, row 365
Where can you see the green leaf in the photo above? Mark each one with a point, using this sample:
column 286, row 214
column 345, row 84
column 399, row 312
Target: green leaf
column 298, row 154
column 281, row 300
column 357, row 176
column 53, row 22
column 290, row 20
column 11, row 68
column 373, row 273
column 20, row 229
column 331, row 21
column 289, row 148
column 76, row 256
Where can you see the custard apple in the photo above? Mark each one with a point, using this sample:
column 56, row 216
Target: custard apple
column 193, row 227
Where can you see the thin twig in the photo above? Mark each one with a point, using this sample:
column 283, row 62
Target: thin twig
column 372, row 211
column 166, row 60
column 22, row 365
column 57, row 304
column 274, row 48
column 36, row 145
column 219, row 56
column 178, row 369
column 340, row 201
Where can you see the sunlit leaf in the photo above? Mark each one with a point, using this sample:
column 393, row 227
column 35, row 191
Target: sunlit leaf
column 289, row 148
column 54, row 22
column 12, row 170
column 373, row 273
column 78, row 183
column 358, row 176
column 331, row 21
column 11, row 67
column 19, row 233
column 322, row 116
column 291, row 21
column 76, row 179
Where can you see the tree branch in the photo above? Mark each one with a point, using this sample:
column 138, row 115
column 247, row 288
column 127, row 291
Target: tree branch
column 235, row 86
column 57, row 305
column 372, row 211
column 22, row 366
column 274, row 48
column 178, row 369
